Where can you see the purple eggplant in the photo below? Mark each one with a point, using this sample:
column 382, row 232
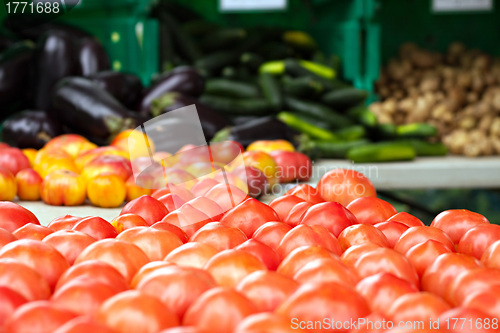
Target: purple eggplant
column 92, row 57
column 126, row 88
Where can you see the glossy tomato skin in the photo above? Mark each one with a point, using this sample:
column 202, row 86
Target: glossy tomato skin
column 83, row 324
column 352, row 254
column 63, row 188
column 127, row 221
column 32, row 231
column 491, row 256
column 299, row 257
column 420, row 306
column 150, row 209
column 28, row 185
column 423, row 254
column 106, row 190
column 226, row 199
column 392, row 230
column 70, row 243
column 472, row 316
column 209, row 207
column 361, row 233
column 146, row 270
column 417, row 235
column 6, row 237
column 192, row 254
column 219, row 236
column 292, row 166
column 471, row 281
column 263, row 252
column 172, row 228
column 266, row 323
column 331, row 215
column 188, row 218
column 297, row 213
column 8, row 186
column 475, row 241
column 306, row 192
column 326, row 270
column 23, row 279
column 10, row 301
column 282, row 205
column 13, row 216
column 271, row 233
column 13, row 160
column 371, row 210
column 203, row 186
column 65, row 222
column 96, row 227
column 344, row 186
column 407, row 219
column 456, row 222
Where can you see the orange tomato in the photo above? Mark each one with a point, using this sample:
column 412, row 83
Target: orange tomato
column 73, row 144
column 134, row 191
column 265, row 163
column 127, row 221
column 192, row 254
column 30, row 153
column 63, row 187
column 268, row 146
column 47, row 161
column 28, row 184
column 135, row 143
column 106, row 190
column 8, row 187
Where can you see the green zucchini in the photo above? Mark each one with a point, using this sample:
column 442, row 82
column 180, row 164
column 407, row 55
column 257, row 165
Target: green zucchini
column 362, row 115
column 271, row 90
column 298, row 124
column 216, row 61
column 295, row 68
column 237, row 106
column 381, row 152
column 251, row 60
column 221, row 38
column 351, row 133
column 328, row 149
column 300, row 40
column 345, row 98
column 301, row 86
column 416, row 130
column 318, row 69
column 230, row 88
column 424, row 148
column 385, row 131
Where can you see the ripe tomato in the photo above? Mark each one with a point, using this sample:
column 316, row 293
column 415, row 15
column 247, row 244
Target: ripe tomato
column 146, row 270
column 8, row 186
column 420, row 306
column 96, row 227
column 207, row 206
column 263, row 252
column 361, row 233
column 351, row 255
column 229, row 267
column 282, row 205
column 94, row 270
column 296, row 259
column 226, row 196
column 249, row 216
column 266, row 323
column 72, row 144
column 386, row 260
column 32, row 231
column 417, row 235
column 188, row 218
column 13, row 160
column 343, row 186
column 70, row 243
column 49, row 161
column 292, row 166
column 456, row 222
column 266, row 289
column 491, row 256
column 13, row 216
column 297, row 213
column 177, row 287
column 10, row 301
column 315, row 302
column 471, row 281
column 63, row 187
column 265, row 163
column 127, row 221
column 423, row 254
column 150, row 209
column 203, row 186
column 134, row 191
column 171, row 201
column 182, row 329
column 6, row 237
column 271, row 233
column 392, row 230
column 371, row 210
column 23, row 279
column 65, row 222
column 106, row 190
column 331, row 215
column 373, row 323
column 219, row 310
column 83, row 324
column 438, row 276
column 219, row 236
column 125, row 257
column 108, row 164
column 477, row 239
column 192, row 254
column 326, row 270
column 306, row 192
column 485, row 300
column 155, row 243
column 42, row 257
column 382, row 289
column 28, row 185
column 303, row 235
column 172, row 228
column 407, row 219
column 472, row 316
column 133, row 311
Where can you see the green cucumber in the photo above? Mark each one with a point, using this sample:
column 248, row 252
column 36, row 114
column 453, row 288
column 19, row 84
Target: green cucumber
column 381, row 152
column 251, row 60
column 216, row 61
column 271, row 90
column 295, row 68
column 318, row 69
column 302, row 86
column 351, row 133
column 328, row 149
column 345, row 98
column 300, row 40
column 424, row 148
column 298, row 124
column 385, row 131
column 275, row 67
column 237, row 106
column 362, row 115
column 416, row 130
column 334, row 119
column 222, row 38
column 230, row 88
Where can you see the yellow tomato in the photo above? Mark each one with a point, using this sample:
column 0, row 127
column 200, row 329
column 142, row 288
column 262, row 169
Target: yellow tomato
column 28, row 185
column 30, row 153
column 264, row 162
column 8, row 187
column 134, row 191
column 268, row 146
column 106, row 190
column 63, row 188
column 135, row 143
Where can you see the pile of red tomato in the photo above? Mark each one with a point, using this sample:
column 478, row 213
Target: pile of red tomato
column 334, row 258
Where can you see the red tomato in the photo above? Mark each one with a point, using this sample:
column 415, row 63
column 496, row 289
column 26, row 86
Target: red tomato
column 125, row 257
column 150, row 209
column 407, row 219
column 331, row 215
column 207, row 206
column 249, row 216
column 303, row 235
column 177, row 287
column 351, row 255
column 438, row 276
column 371, row 210
column 266, row 323
column 456, row 222
column 292, row 165
column 417, row 235
column 229, row 267
column 301, row 256
column 42, row 257
column 70, row 243
column 39, row 316
column 283, row 205
column 382, row 289
column 155, row 243
column 219, row 236
column 326, row 270
column 172, row 228
column 160, row 192
column 6, row 237
column 13, row 216
column 477, row 239
column 315, row 302
column 96, row 227
column 361, row 233
column 373, row 323
column 193, row 254
column 23, row 279
column 419, row 306
column 343, row 186
column 219, row 310
column 32, row 231
column 423, row 254
column 10, row 301
column 267, row 289
column 94, row 270
column 183, row 329
column 203, row 186
column 306, row 192
column 271, row 233
column 392, row 230
column 263, row 252
column 386, row 260
column 487, row 301
column 226, row 196
column 491, row 256
column 133, row 311
column 83, row 325
column 171, row 201
column 13, row 160
column 297, row 213
column 471, row 281
column 147, row 269
column 28, row 185
column 66, row 222
column 188, row 218
column 474, row 320
column 127, row 221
